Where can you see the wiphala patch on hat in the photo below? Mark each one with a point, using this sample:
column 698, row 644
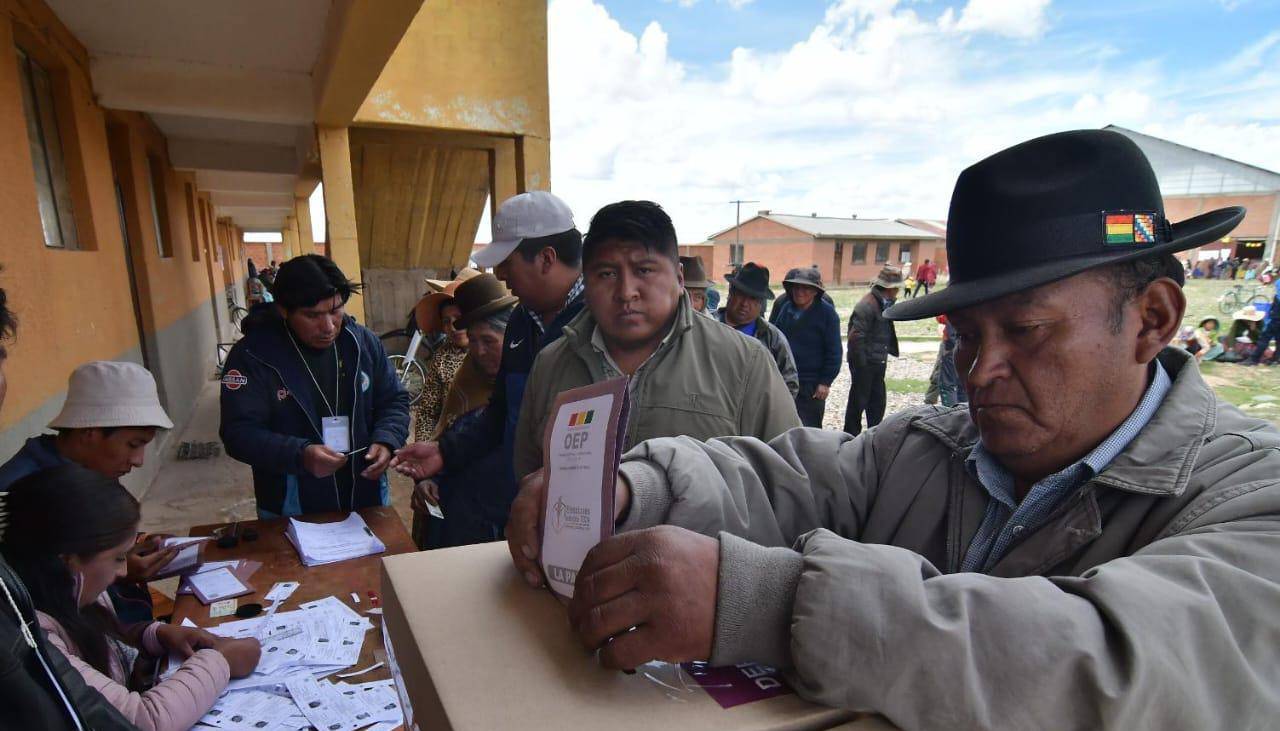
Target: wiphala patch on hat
column 1130, row 229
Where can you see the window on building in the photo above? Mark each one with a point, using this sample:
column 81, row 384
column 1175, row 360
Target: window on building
column 882, row 253
column 190, row 193
column 904, row 254
column 736, row 254
column 859, row 252
column 48, row 162
column 159, row 205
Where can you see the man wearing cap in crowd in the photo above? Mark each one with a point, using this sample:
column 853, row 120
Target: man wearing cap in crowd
column 872, row 339
column 812, row 329
column 112, row 412
column 748, row 290
column 688, row 374
column 310, row 401
column 786, row 294
column 1094, row 542
column 536, row 252
column 696, row 284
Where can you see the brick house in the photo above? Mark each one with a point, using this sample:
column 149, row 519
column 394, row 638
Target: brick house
column 1194, row 181
column 846, row 250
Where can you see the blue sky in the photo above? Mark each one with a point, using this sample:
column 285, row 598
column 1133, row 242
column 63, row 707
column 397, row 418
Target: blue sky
column 705, row 32
column 874, row 106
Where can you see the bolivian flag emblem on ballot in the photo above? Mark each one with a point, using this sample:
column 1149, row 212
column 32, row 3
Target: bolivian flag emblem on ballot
column 581, row 418
column 1130, row 229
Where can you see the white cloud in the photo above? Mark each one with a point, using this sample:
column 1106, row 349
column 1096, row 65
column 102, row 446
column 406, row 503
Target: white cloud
column 874, row 113
column 734, row 4
column 1025, row 19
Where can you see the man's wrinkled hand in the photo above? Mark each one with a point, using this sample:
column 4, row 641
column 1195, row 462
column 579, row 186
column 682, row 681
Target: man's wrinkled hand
column 419, row 460
column 821, row 391
column 524, row 525
column 524, row 522
column 648, row 595
column 379, row 458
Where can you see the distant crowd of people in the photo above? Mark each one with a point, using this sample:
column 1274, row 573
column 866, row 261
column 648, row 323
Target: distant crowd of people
column 1232, row 268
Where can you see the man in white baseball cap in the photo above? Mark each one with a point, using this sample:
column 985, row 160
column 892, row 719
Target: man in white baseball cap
column 537, row 252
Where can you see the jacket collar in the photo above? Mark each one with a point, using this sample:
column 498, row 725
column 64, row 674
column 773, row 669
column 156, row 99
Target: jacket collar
column 1157, row 462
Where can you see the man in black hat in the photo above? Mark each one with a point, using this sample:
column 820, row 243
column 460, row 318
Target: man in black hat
column 1094, row 542
column 872, row 339
column 748, row 290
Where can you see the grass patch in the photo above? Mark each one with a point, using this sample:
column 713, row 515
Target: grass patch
column 906, row 385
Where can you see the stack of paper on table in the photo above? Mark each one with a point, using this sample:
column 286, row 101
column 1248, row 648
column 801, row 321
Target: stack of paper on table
column 321, row 543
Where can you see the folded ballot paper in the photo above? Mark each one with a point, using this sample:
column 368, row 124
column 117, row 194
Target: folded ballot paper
column 321, row 543
column 582, row 446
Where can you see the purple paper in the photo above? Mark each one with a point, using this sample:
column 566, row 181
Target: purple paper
column 734, row 685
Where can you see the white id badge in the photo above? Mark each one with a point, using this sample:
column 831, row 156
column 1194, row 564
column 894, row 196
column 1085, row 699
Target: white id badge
column 337, row 433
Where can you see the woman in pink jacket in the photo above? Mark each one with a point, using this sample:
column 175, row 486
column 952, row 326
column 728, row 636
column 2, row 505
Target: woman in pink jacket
column 66, row 531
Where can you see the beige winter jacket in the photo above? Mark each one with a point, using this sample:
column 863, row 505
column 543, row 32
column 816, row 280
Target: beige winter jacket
column 174, row 704
column 706, row 380
column 1150, row 600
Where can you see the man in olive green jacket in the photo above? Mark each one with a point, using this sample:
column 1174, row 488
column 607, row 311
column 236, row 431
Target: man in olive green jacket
column 1092, row 542
column 689, row 374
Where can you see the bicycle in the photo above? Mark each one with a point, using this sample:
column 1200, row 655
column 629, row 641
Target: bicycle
column 1239, row 296
column 409, row 371
column 234, row 311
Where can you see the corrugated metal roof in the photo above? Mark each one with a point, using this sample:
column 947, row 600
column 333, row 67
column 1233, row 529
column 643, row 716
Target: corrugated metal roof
column 1183, row 170
column 851, row 228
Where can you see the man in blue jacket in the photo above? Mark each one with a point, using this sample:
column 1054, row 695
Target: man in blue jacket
column 310, row 401
column 537, row 253
column 812, row 327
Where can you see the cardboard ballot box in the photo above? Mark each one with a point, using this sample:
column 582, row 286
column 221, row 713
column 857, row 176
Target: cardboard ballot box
column 476, row 649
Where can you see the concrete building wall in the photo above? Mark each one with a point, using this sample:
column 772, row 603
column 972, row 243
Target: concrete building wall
column 79, row 305
column 1261, row 219
column 448, row 74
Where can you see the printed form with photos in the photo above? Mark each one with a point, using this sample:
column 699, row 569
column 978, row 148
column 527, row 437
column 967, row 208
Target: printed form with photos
column 288, row 691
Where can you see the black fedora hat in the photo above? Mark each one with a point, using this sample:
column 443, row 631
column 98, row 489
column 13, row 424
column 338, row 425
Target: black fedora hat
column 1053, row 207
column 752, row 279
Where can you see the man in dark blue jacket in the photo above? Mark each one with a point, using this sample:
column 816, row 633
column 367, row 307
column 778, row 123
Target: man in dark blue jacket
column 536, row 252
column 310, row 401
column 812, row 327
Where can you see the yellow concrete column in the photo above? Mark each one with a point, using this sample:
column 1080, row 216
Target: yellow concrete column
column 502, row 174
column 340, row 207
column 533, row 163
column 289, row 234
column 302, row 215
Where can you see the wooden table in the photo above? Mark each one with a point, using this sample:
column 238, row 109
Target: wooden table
column 280, row 563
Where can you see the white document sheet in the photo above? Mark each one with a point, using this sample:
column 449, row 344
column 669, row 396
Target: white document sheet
column 212, row 586
column 322, row 543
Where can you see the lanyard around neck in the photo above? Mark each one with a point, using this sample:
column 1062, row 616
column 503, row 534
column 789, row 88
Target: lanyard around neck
column 337, row 374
